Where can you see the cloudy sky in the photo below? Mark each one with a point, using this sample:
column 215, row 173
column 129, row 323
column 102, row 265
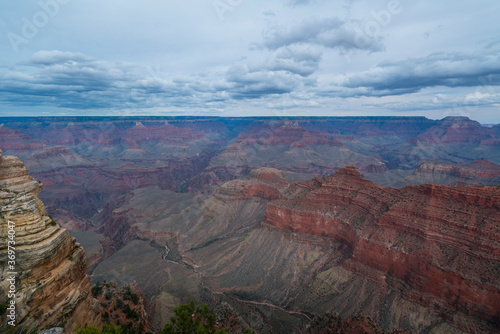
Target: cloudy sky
column 251, row 57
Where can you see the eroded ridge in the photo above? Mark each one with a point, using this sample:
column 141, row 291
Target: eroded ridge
column 52, row 287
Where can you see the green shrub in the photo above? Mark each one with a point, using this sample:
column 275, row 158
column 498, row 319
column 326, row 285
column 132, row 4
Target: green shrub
column 129, row 313
column 191, row 319
column 96, row 291
column 129, row 295
column 119, row 303
column 108, row 295
column 108, row 329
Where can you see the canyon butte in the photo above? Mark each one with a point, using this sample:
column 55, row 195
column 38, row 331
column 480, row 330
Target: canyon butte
column 274, row 221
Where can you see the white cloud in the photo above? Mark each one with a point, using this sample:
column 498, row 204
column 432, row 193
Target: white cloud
column 312, row 56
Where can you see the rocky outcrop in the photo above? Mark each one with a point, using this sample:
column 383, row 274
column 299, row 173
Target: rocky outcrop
column 52, row 287
column 480, row 172
column 442, row 244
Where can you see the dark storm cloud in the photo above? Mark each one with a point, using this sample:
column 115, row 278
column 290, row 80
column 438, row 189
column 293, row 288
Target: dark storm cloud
column 252, row 84
column 287, row 69
column 414, row 74
column 74, row 80
column 331, row 33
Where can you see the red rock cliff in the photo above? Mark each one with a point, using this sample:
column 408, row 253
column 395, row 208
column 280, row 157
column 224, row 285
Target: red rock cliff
column 441, row 242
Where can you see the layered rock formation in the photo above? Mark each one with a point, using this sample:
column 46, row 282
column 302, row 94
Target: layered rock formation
column 480, row 173
column 453, row 130
column 113, row 175
column 16, row 140
column 55, row 157
column 288, row 146
column 442, row 243
column 52, row 287
column 104, row 157
column 422, row 258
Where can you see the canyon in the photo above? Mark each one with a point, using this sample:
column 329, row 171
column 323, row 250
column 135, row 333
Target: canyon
column 420, row 258
column 86, row 162
column 281, row 220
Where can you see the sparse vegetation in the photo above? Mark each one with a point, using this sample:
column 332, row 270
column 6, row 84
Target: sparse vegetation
column 108, row 329
column 191, row 319
column 121, row 307
column 96, row 290
column 130, row 313
column 119, row 303
column 200, row 320
column 129, row 295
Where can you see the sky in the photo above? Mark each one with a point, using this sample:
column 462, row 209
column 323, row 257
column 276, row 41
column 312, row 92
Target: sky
column 251, row 58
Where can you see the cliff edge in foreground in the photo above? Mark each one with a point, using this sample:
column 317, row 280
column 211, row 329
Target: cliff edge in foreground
column 51, row 287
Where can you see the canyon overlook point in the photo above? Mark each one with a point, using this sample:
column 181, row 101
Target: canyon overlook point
column 51, row 283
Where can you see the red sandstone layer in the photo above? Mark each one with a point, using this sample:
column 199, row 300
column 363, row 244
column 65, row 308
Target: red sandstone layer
column 442, row 242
